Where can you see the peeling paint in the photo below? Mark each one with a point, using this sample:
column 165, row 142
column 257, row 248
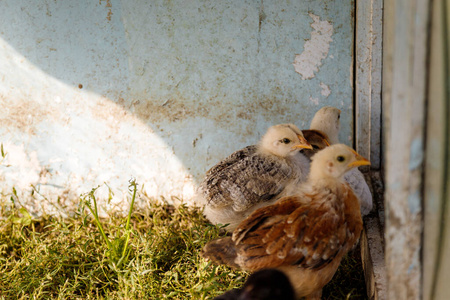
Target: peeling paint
column 325, row 89
column 314, row 100
column 315, row 50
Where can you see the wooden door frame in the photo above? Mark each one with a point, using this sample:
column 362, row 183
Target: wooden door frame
column 368, row 78
column 404, row 105
column 368, row 54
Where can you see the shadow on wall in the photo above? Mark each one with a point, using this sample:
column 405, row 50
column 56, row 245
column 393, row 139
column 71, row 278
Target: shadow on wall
column 102, row 91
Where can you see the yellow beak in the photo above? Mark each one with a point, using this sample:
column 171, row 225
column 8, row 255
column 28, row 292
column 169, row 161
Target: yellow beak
column 303, row 143
column 360, row 161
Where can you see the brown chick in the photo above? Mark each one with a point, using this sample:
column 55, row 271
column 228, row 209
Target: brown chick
column 305, row 235
column 254, row 176
column 318, row 140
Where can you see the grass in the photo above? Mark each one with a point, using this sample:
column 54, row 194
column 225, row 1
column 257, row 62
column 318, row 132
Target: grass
column 153, row 253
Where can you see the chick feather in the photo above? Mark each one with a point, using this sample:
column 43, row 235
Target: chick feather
column 304, row 235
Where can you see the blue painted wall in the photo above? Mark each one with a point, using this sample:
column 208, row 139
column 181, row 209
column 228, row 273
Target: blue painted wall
column 99, row 91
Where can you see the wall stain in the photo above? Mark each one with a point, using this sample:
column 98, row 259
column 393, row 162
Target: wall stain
column 179, row 109
column 24, row 115
column 108, row 5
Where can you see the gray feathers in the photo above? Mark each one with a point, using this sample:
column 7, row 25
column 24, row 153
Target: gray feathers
column 358, row 183
column 248, row 180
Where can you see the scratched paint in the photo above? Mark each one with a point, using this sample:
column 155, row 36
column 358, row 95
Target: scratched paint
column 102, row 91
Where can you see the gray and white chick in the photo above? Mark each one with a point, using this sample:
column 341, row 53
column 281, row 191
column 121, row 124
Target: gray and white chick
column 255, row 176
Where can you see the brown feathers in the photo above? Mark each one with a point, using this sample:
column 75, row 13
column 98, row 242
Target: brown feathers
column 221, row 251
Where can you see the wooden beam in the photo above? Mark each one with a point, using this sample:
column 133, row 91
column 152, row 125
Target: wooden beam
column 368, row 43
column 372, row 243
column 368, row 69
column 404, row 90
column 436, row 259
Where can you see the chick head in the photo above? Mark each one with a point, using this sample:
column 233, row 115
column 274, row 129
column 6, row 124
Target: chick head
column 334, row 161
column 283, row 140
column 327, row 120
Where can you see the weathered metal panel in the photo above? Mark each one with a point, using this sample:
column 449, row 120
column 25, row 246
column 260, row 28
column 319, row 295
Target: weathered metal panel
column 404, row 78
column 99, row 91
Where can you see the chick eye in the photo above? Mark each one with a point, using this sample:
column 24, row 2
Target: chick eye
column 340, row 158
column 286, row 140
column 339, row 116
column 315, row 147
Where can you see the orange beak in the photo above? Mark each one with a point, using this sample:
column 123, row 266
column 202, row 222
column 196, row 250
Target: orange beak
column 360, row 161
column 303, row 143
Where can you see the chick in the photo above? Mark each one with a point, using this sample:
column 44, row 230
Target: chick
column 304, row 235
column 254, row 176
column 327, row 121
column 266, row 284
column 317, row 139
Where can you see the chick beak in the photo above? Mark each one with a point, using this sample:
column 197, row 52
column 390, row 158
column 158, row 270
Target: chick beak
column 360, row 161
column 303, row 143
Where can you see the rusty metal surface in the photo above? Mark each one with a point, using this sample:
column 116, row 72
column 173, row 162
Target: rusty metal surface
column 95, row 92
